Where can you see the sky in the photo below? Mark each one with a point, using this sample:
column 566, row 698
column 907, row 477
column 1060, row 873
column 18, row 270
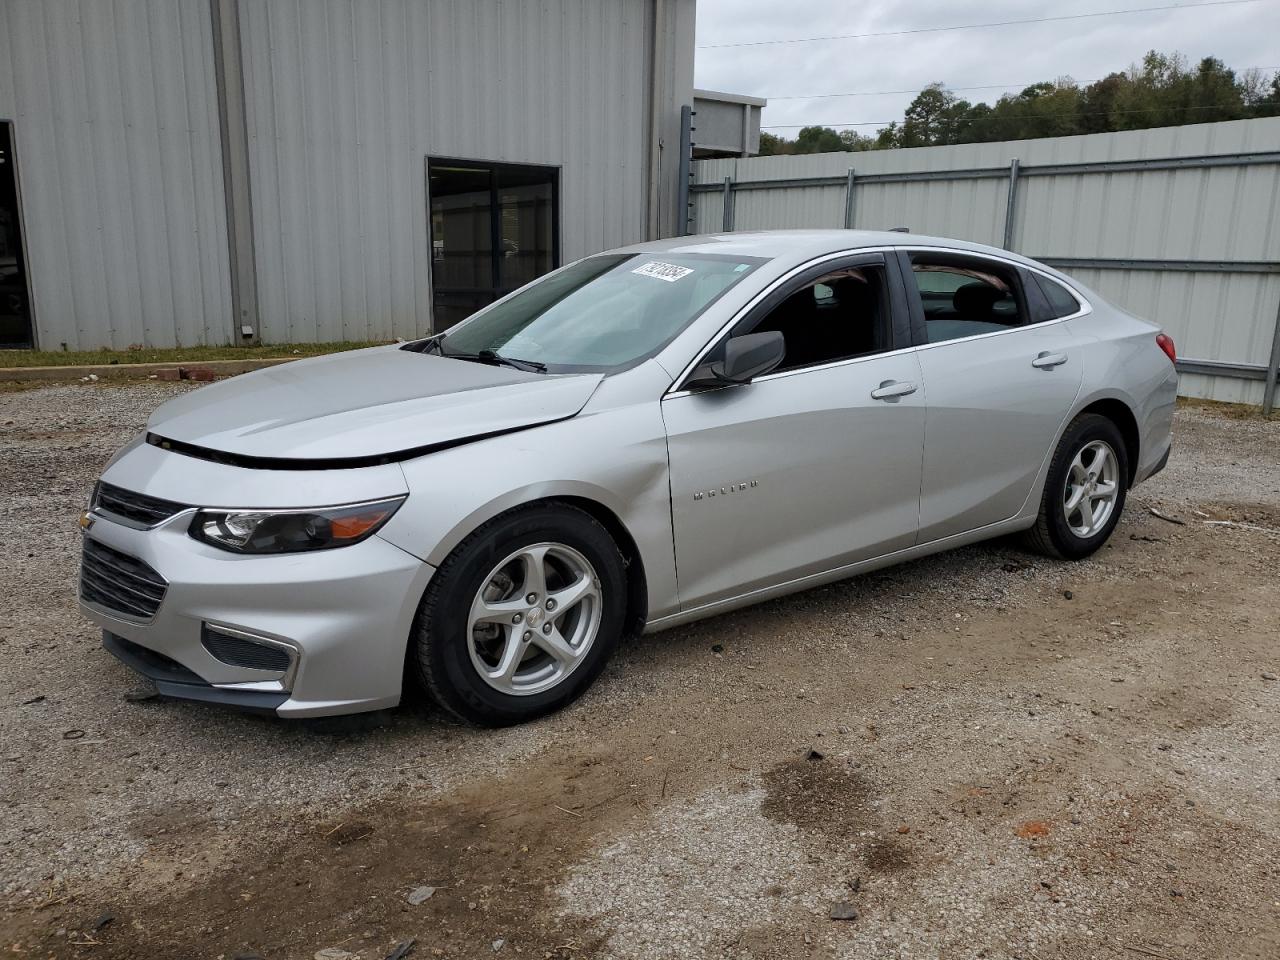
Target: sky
column 1008, row 57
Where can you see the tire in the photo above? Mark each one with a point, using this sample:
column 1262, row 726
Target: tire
column 489, row 572
column 1064, row 534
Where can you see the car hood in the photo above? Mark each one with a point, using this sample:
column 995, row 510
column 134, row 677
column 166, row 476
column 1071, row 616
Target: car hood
column 363, row 406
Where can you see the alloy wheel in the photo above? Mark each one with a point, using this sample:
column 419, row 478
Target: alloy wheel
column 534, row 618
column 1091, row 489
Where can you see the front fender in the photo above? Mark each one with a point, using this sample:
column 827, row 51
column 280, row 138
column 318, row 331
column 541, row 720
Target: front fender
column 616, row 458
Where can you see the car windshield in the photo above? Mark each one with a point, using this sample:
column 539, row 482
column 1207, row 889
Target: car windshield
column 599, row 315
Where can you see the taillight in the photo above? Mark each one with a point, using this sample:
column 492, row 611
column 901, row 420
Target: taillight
column 1165, row 343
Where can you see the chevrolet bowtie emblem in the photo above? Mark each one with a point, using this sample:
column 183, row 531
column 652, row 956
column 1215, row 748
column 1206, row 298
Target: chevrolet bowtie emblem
column 86, row 520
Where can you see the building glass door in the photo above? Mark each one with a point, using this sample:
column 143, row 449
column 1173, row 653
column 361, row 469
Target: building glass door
column 15, row 302
column 494, row 228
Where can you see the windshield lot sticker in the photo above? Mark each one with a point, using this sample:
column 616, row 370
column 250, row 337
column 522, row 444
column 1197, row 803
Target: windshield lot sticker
column 669, row 272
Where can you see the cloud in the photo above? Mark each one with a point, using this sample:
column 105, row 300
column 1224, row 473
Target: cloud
column 1241, row 35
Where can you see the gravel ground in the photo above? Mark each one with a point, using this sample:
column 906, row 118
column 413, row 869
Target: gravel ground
column 955, row 751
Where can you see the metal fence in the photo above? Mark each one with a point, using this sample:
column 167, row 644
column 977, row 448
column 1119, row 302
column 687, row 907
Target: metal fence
column 1181, row 225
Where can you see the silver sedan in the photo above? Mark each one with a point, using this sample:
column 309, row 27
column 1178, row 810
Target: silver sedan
column 636, row 440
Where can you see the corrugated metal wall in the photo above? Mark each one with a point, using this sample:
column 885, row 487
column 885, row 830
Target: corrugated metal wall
column 114, row 113
column 345, row 100
column 1216, row 214
column 117, row 136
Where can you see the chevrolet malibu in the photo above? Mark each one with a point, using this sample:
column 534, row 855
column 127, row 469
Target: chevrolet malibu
column 639, row 439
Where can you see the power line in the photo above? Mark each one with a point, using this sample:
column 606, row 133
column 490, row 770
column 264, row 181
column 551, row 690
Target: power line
column 985, row 86
column 887, row 93
column 976, row 26
column 1025, row 116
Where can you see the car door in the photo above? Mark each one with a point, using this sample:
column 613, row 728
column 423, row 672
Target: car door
column 814, row 465
column 999, row 379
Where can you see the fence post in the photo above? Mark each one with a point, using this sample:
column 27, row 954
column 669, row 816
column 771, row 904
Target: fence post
column 849, row 208
column 726, row 220
column 1273, row 371
column 1011, row 206
column 686, row 153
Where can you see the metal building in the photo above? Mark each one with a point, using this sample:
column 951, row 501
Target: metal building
column 177, row 172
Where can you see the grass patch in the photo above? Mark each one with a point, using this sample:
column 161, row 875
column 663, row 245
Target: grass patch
column 72, row 358
column 1222, row 408
column 22, row 386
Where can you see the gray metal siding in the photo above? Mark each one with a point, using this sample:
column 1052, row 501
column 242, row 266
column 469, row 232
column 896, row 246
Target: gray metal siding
column 345, row 100
column 1220, row 213
column 719, row 126
column 116, row 135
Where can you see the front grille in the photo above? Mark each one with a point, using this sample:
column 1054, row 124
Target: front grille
column 137, row 507
column 119, row 582
column 242, row 652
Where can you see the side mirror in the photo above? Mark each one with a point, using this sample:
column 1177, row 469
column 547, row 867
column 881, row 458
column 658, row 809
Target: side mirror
column 745, row 358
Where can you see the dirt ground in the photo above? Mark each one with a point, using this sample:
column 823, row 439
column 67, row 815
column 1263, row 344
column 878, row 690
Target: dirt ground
column 982, row 754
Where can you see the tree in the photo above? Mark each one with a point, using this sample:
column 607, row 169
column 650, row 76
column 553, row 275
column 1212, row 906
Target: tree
column 772, row 145
column 853, row 140
column 815, row 140
column 1161, row 90
column 935, row 116
column 1098, row 103
column 1214, row 93
column 1156, row 94
column 1046, row 109
column 819, row 140
column 1261, row 96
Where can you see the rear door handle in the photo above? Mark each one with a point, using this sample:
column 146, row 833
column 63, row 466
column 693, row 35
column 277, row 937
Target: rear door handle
column 893, row 389
column 1047, row 361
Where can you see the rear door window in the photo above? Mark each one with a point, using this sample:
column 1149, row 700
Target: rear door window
column 966, row 296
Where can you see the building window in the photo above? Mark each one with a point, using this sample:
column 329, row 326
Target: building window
column 494, row 228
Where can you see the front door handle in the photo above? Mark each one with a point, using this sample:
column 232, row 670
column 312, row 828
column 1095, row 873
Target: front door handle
column 1047, row 361
column 893, row 389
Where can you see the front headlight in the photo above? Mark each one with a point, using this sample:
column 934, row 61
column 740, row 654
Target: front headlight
column 291, row 531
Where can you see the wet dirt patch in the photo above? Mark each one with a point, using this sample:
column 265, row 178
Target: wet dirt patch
column 886, row 855
column 492, row 853
column 826, row 796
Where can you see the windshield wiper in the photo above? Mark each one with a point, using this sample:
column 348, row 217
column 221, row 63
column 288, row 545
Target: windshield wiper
column 492, row 356
column 496, row 359
column 436, row 345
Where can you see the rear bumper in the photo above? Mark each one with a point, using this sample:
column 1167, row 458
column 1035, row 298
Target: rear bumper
column 1158, row 465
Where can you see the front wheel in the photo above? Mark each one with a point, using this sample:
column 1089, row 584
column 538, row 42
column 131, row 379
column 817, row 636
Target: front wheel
column 1085, row 491
column 521, row 617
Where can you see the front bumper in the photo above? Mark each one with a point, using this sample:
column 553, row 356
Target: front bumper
column 343, row 615
column 172, row 679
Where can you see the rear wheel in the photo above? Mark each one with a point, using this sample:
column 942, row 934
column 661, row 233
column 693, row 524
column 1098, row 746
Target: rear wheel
column 1085, row 491
column 522, row 616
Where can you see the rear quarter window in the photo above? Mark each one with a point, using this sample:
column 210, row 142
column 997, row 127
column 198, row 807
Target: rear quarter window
column 1062, row 302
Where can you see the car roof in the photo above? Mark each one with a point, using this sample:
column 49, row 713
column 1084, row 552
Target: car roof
column 801, row 245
